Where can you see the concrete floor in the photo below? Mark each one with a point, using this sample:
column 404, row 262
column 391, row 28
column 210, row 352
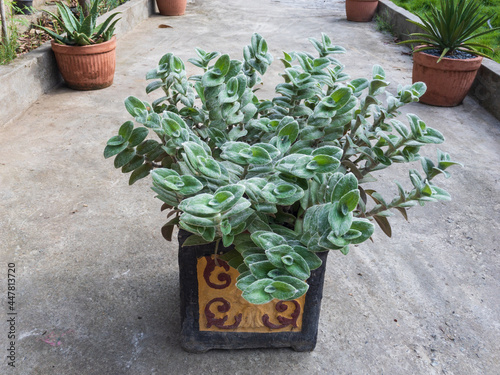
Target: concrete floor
column 97, row 286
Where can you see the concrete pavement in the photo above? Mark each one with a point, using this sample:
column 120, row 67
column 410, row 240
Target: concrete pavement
column 97, row 285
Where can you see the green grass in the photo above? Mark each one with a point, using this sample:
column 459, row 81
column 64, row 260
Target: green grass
column 8, row 51
column 108, row 5
column 8, row 48
column 381, row 23
column 489, row 7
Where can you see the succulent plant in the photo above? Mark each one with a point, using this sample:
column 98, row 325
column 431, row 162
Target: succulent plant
column 82, row 31
column 452, row 27
column 280, row 179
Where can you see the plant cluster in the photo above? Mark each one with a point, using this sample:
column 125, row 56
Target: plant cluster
column 81, row 31
column 108, row 5
column 9, row 35
column 8, row 46
column 452, row 27
column 278, row 179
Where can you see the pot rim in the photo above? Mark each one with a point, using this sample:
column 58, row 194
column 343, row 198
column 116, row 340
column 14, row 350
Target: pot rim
column 476, row 57
column 104, row 47
column 447, row 63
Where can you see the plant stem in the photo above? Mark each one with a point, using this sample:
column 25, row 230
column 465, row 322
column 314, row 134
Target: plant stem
column 215, row 253
column 245, row 171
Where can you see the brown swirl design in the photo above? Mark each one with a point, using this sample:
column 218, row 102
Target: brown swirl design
column 284, row 322
column 223, row 308
column 224, row 277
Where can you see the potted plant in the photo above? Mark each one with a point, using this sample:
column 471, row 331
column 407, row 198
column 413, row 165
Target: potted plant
column 360, row 10
column 23, row 6
column 447, row 58
column 84, row 51
column 171, row 7
column 262, row 189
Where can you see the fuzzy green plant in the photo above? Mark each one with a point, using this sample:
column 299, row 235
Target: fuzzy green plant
column 278, row 179
column 451, row 27
column 82, row 31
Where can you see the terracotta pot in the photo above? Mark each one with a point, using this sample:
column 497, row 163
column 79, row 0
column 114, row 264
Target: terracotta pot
column 171, row 7
column 87, row 67
column 215, row 316
column 447, row 81
column 360, row 10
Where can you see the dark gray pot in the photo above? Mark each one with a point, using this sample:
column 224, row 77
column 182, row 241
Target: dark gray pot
column 24, row 6
column 195, row 341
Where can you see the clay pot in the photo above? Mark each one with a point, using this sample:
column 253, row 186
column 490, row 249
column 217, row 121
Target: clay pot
column 360, row 10
column 87, row 67
column 214, row 316
column 171, row 7
column 447, row 81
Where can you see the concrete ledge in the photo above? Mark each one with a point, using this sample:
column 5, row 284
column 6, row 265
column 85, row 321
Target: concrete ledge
column 36, row 73
column 25, row 79
column 486, row 87
column 397, row 17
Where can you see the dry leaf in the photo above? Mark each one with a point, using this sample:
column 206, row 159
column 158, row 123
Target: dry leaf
column 163, row 26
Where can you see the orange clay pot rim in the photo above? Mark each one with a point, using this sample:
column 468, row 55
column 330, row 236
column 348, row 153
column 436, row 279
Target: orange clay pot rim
column 82, row 50
column 448, row 58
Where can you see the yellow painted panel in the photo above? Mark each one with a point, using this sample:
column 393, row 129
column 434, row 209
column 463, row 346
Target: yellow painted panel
column 223, row 309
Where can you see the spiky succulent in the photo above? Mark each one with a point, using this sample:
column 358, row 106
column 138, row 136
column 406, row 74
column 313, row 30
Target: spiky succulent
column 82, row 31
column 451, row 27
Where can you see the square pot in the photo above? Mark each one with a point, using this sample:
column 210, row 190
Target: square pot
column 214, row 316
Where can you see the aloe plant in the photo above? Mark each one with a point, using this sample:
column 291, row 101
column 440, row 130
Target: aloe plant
column 452, row 27
column 278, row 179
column 82, row 31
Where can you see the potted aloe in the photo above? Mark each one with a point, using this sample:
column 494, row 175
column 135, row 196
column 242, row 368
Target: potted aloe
column 262, row 189
column 447, row 58
column 85, row 51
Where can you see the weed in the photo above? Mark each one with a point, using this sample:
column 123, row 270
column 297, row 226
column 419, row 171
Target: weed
column 8, row 46
column 383, row 25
